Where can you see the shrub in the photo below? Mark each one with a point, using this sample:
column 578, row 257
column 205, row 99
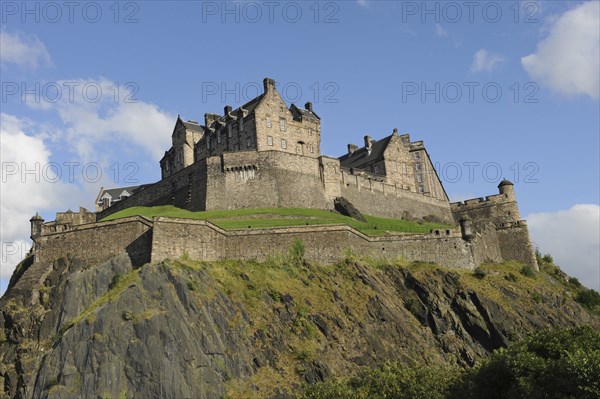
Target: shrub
column 511, row 277
column 479, row 273
column 528, row 271
column 574, row 282
column 548, row 259
column 297, row 252
column 588, row 298
column 558, row 363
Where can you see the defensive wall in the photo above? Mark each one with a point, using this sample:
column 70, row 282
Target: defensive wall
column 274, row 179
column 154, row 240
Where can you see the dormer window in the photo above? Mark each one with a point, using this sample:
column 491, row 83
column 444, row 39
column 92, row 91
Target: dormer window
column 208, row 142
column 219, row 137
column 229, row 130
column 241, row 123
column 282, row 125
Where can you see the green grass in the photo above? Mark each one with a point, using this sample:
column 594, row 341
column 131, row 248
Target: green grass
column 281, row 217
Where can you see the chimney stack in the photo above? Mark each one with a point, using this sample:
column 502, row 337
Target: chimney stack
column 352, row 148
column 308, row 106
column 368, row 141
column 268, row 84
column 227, row 109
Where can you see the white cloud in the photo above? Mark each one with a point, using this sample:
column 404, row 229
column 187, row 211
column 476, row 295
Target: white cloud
column 23, row 50
column 440, row 31
column 485, row 61
column 363, row 3
column 23, row 193
column 568, row 60
column 101, row 111
column 572, row 237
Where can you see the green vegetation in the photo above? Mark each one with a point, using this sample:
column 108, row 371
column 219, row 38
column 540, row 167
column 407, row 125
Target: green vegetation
column 281, row 217
column 553, row 364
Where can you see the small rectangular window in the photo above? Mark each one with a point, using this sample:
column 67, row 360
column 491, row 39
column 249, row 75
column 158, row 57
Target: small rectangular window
column 283, row 144
column 270, row 140
column 395, row 166
column 241, row 123
column 312, row 149
column 229, row 130
column 421, row 189
column 418, row 166
column 282, row 125
column 268, row 122
column 419, row 178
column 208, row 142
column 417, row 155
column 219, row 137
column 310, row 132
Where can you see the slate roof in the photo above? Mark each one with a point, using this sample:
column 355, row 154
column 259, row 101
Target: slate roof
column 361, row 157
column 304, row 112
column 193, row 126
column 115, row 192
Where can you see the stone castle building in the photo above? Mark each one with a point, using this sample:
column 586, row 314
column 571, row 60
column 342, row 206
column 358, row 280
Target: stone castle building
column 265, row 154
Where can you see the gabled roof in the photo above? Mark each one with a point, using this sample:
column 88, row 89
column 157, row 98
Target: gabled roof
column 193, row 126
column 361, row 156
column 114, row 193
column 304, row 113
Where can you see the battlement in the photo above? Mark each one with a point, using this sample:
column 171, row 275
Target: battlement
column 479, row 202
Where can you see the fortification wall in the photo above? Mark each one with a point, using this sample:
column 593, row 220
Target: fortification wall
column 499, row 208
column 515, row 243
column 184, row 189
column 381, row 199
column 97, row 242
column 172, row 238
column 264, row 179
column 485, row 245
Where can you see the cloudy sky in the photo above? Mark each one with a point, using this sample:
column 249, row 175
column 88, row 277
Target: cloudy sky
column 91, row 90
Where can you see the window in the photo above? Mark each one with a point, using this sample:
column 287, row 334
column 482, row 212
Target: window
column 282, row 125
column 270, row 140
column 241, row 123
column 403, row 168
column 421, row 189
column 395, row 166
column 208, row 142
column 310, row 132
column 268, row 121
column 417, row 155
column 312, row 149
column 283, row 144
column 376, row 169
column 229, row 130
column 219, row 137
column 249, row 142
column 418, row 166
column 419, row 178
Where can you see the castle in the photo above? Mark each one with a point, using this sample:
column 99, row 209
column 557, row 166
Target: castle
column 265, row 154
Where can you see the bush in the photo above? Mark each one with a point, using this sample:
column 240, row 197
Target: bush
column 554, row 364
column 574, row 282
column 297, row 252
column 528, row 271
column 589, row 299
column 548, row 259
column 479, row 273
column 391, row 380
column 511, row 277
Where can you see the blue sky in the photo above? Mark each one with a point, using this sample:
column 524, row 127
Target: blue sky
column 502, row 89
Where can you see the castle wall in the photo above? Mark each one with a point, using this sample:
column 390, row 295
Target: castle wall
column 499, row 208
column 172, row 238
column 270, row 179
column 515, row 243
column 184, row 189
column 97, row 242
column 381, row 199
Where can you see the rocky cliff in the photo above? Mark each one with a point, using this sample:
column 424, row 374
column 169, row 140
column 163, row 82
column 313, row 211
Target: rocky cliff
column 185, row 329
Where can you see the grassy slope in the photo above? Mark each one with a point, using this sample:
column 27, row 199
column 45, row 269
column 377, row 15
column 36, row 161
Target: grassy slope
column 281, row 217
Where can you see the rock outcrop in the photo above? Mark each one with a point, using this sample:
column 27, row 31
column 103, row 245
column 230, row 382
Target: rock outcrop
column 184, row 329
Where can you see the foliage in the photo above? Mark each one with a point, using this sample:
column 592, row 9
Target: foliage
column 553, row 364
column 391, row 380
column 589, row 299
column 479, row 273
column 528, row 271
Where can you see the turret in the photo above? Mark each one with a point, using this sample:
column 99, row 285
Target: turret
column 36, row 226
column 507, row 188
column 466, row 227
